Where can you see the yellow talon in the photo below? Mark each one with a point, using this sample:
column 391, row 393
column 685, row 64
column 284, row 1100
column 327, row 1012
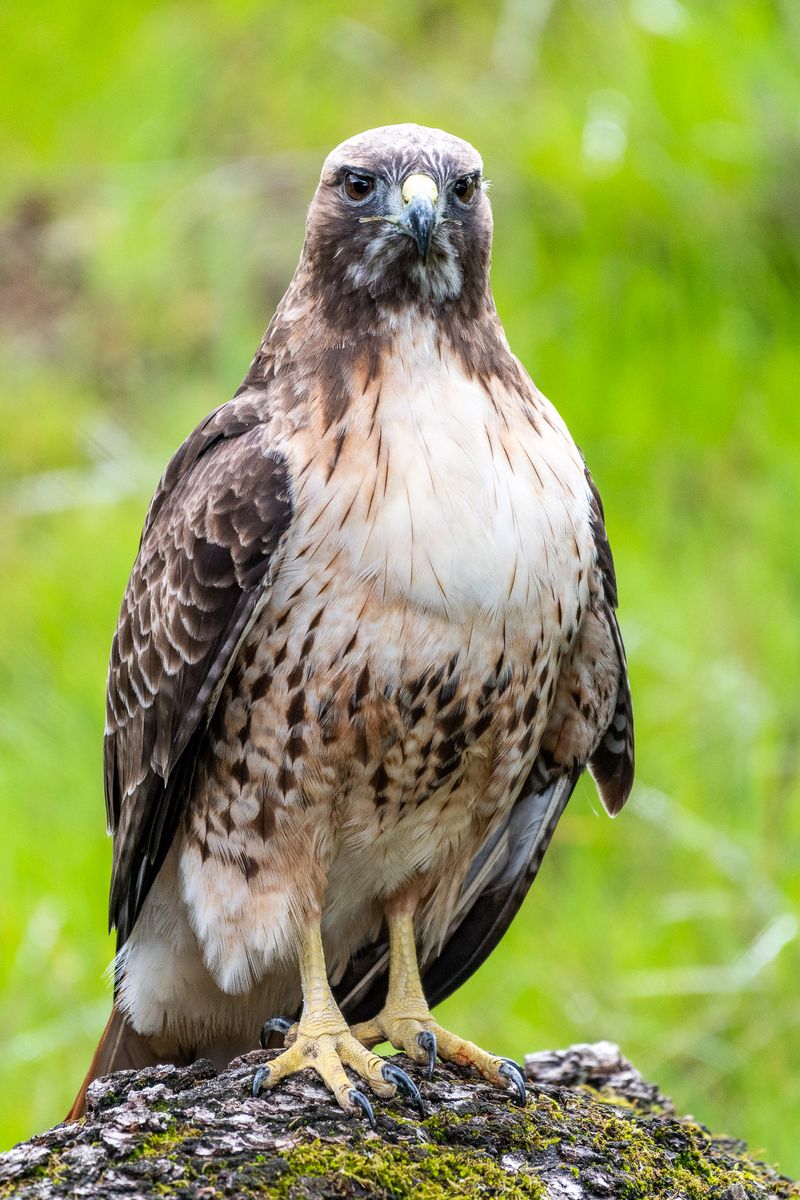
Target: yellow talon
column 322, row 1041
column 406, row 1020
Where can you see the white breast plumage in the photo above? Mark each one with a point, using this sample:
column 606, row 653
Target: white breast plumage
column 452, row 499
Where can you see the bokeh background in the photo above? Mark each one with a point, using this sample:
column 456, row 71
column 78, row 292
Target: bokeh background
column 157, row 159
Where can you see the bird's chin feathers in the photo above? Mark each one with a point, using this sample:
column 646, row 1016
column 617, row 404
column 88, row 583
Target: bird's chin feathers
column 390, row 261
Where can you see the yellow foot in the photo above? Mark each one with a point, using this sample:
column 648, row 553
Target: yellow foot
column 328, row 1049
column 423, row 1040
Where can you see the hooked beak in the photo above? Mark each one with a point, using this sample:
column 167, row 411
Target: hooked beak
column 419, row 217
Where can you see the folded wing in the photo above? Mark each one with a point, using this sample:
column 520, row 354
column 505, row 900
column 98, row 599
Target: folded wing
column 204, row 565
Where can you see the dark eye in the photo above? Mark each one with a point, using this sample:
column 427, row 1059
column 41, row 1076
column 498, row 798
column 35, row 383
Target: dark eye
column 464, row 189
column 358, row 187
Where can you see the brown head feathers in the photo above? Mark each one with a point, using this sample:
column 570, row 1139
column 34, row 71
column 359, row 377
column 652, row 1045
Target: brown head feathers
column 361, row 275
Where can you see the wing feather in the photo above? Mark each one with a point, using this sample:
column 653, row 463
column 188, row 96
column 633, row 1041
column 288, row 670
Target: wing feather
column 203, row 568
column 612, row 762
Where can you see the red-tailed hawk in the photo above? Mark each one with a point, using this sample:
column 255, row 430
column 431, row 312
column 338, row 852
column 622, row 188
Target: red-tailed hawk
column 367, row 647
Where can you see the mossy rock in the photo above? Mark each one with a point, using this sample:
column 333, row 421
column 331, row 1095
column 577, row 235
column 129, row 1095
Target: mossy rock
column 592, row 1128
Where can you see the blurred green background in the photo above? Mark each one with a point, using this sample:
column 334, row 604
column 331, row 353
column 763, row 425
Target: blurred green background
column 157, row 159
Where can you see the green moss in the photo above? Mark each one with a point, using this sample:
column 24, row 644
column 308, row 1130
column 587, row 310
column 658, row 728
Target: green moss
column 655, row 1157
column 529, row 1131
column 53, row 1169
column 379, row 1169
column 165, row 1143
column 382, row 1169
column 539, row 1126
column 610, row 1097
column 644, row 1156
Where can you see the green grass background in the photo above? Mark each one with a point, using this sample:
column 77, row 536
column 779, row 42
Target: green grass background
column 156, row 162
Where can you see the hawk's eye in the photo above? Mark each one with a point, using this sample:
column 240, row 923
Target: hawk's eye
column 464, row 189
column 358, row 187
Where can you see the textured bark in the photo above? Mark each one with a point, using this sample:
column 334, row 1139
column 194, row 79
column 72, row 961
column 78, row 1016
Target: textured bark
column 593, row 1128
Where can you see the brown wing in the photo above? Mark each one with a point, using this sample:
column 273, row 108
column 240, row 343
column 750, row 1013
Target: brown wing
column 591, row 723
column 612, row 761
column 203, row 566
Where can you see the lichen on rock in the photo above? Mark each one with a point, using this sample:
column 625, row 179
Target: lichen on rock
column 593, row 1128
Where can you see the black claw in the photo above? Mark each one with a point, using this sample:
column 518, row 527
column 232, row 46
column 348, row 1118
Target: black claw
column 274, row 1025
column 356, row 1097
column 261, row 1074
column 427, row 1040
column 405, row 1084
column 513, row 1073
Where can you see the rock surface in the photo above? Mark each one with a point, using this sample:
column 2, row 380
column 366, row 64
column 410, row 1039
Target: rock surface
column 593, row 1128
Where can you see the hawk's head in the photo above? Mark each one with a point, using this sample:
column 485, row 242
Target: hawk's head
column 401, row 214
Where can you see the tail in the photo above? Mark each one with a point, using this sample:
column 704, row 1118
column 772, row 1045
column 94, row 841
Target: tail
column 121, row 1048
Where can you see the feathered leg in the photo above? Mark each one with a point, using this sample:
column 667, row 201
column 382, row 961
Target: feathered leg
column 407, row 1023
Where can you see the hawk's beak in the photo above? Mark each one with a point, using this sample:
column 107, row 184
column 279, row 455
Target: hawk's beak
column 419, row 217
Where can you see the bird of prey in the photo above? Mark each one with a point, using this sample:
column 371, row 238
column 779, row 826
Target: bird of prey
column 367, row 648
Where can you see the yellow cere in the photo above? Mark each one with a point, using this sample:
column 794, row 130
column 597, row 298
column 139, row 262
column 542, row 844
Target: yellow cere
column 420, row 185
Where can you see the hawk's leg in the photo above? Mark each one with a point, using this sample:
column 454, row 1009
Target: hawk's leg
column 324, row 1042
column 406, row 1020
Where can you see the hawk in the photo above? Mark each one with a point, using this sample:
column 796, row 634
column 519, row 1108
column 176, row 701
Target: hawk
column 367, row 648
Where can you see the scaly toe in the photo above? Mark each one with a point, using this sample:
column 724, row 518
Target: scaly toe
column 503, row 1072
column 327, row 1054
column 366, row 1064
column 369, row 1033
column 424, row 1040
